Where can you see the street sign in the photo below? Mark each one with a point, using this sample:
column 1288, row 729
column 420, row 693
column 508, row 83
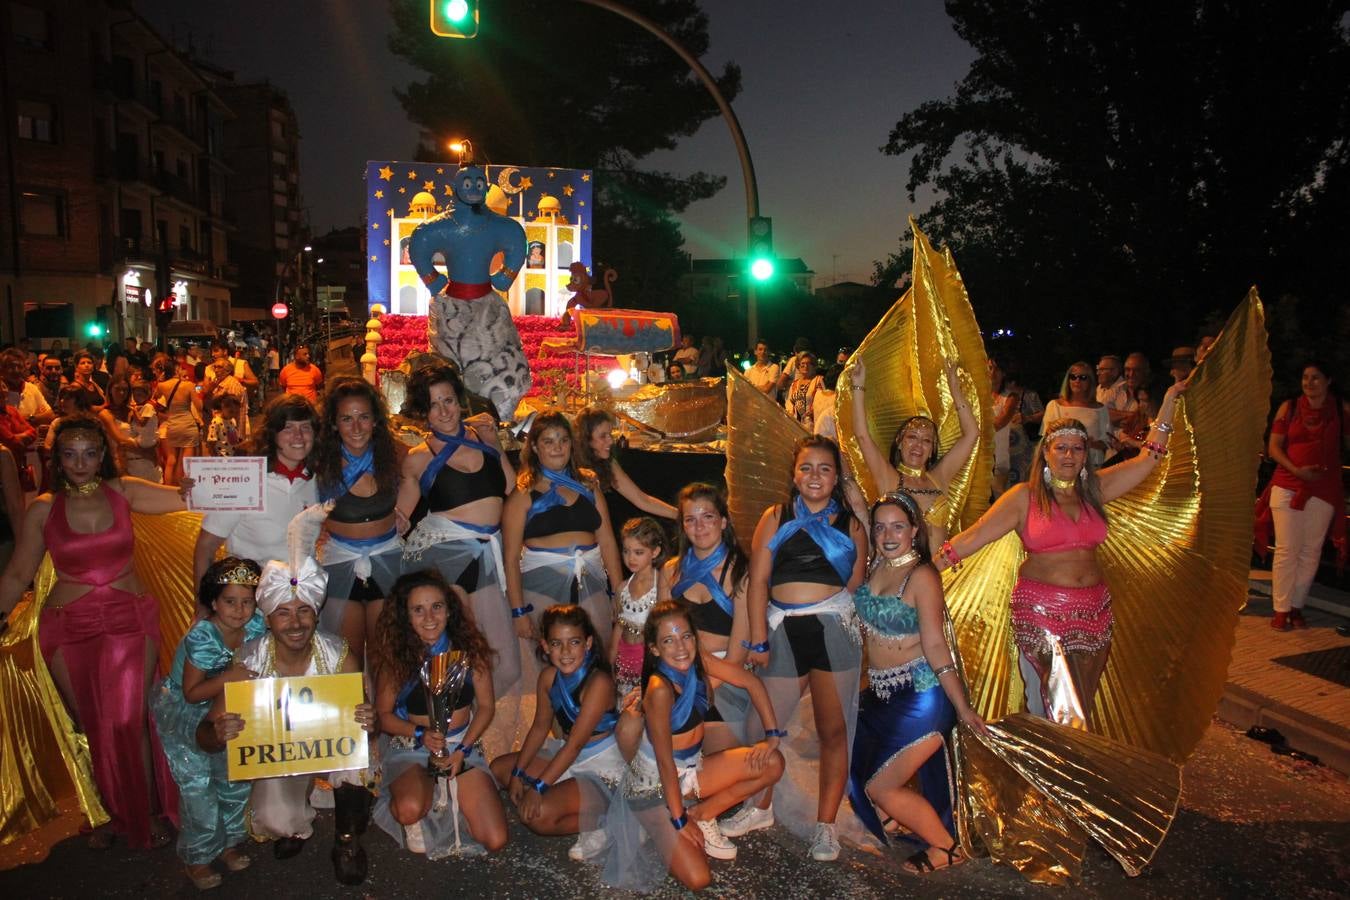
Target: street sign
column 280, row 310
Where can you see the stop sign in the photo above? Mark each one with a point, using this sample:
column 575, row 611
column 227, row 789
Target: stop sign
column 280, row 310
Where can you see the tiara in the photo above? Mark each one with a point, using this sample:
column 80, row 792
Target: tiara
column 241, row 574
column 1076, row 431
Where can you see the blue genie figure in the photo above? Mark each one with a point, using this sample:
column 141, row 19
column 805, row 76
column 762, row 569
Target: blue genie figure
column 469, row 322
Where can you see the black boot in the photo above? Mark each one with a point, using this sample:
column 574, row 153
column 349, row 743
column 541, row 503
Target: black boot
column 351, row 815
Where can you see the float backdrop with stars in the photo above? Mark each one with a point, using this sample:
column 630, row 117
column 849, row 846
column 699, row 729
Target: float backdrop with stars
column 553, row 205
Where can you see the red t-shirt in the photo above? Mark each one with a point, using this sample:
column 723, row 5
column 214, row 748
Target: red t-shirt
column 305, row 382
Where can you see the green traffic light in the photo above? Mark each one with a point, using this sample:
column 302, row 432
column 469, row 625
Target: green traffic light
column 94, row 330
column 761, row 269
column 456, row 10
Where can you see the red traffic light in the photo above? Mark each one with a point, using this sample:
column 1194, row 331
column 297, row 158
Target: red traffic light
column 166, row 305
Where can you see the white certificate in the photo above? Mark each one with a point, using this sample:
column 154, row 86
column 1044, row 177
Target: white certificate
column 227, row 483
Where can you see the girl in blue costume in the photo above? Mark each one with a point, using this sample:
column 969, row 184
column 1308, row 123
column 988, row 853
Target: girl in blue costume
column 356, row 466
column 425, row 616
column 210, row 806
column 454, row 486
column 557, row 540
column 669, row 768
column 914, row 694
column 566, row 788
column 807, row 558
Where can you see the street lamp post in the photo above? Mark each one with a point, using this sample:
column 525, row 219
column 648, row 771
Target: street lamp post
column 463, row 147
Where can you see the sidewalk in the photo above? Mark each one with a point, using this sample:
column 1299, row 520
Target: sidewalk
column 1297, row 682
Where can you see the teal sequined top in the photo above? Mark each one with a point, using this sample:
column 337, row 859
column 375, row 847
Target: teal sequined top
column 889, row 618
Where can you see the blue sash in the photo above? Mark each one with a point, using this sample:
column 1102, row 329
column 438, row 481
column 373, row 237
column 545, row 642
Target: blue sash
column 551, row 498
column 839, row 549
column 353, row 467
column 560, row 694
column 693, row 691
column 452, row 442
column 700, row 571
column 401, row 704
column 364, row 542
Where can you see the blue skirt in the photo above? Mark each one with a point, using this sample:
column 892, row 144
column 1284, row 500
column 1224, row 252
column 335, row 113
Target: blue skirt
column 887, row 726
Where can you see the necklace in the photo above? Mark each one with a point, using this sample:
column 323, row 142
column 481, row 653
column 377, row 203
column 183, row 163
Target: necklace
column 910, row 471
column 83, row 490
column 1063, row 484
column 902, row 561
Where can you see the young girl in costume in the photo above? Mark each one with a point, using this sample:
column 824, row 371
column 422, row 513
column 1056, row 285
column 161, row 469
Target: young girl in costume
column 210, row 806
column 565, row 788
column 643, row 546
column 914, row 694
column 669, row 771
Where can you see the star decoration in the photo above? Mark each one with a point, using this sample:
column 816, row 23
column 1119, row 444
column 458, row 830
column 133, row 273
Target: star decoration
column 403, row 190
column 449, row 191
column 375, row 226
column 386, row 173
column 386, row 242
column 429, row 186
column 379, row 195
column 412, row 176
column 581, row 203
column 388, row 212
column 568, row 190
column 440, row 171
column 526, row 182
column 586, row 176
column 551, row 174
column 585, row 228
column 374, row 258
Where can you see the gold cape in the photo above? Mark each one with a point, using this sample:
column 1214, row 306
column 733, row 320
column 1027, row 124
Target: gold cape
column 1033, row 792
column 43, row 759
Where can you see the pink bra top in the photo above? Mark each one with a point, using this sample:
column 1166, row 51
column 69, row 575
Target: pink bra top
column 96, row 559
column 1057, row 532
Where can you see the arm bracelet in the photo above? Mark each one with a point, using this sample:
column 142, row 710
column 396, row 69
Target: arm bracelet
column 519, row 611
column 680, row 821
column 775, row 732
column 418, row 733
column 943, row 670
column 518, row 772
column 462, row 748
column 1163, row 427
column 761, row 647
column 540, row 786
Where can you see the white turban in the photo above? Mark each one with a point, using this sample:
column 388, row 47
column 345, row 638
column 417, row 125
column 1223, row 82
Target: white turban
column 278, row 585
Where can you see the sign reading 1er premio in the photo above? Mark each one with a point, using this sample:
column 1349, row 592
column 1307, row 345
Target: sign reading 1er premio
column 227, row 483
column 295, row 726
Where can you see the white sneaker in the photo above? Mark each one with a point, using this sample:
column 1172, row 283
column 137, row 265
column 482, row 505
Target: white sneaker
column 714, row 844
column 824, row 845
column 589, row 844
column 412, row 837
column 749, row 818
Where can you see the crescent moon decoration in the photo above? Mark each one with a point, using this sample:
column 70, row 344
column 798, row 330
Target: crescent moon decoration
column 504, row 180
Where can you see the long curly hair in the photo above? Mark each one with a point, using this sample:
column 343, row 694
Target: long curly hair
column 209, row 588
column 1089, row 486
column 78, row 426
column 327, row 457
column 530, row 469
column 569, row 614
column 398, row 652
column 280, row 411
column 700, row 490
column 589, row 419
column 665, row 609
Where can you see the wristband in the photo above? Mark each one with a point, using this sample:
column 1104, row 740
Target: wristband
column 1163, row 427
column 943, row 670
column 519, row 611
column 775, row 732
column 540, row 786
column 418, row 733
column 681, row 821
column 462, row 748
column 518, row 772
column 761, row 647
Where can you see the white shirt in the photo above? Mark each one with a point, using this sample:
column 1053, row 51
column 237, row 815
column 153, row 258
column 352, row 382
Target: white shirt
column 762, row 375
column 30, row 402
column 1117, row 396
column 262, row 536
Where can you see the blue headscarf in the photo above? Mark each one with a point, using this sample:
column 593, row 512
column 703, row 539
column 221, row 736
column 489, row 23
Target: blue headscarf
column 839, row 549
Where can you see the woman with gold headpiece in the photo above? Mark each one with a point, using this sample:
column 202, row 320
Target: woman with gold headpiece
column 1061, row 607
column 211, row 807
column 914, row 465
column 99, row 629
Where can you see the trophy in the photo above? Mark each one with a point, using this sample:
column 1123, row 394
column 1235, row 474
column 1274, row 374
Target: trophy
column 443, row 676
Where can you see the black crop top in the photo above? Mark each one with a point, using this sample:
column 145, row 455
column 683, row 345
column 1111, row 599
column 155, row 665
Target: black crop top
column 580, row 516
column 453, row 488
column 709, row 617
column 351, row 509
column 417, row 698
column 801, row 559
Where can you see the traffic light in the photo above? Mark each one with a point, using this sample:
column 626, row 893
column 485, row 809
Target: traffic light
column 454, row 18
column 760, row 247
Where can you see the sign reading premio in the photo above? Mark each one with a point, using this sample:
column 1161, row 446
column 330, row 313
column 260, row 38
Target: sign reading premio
column 295, row 726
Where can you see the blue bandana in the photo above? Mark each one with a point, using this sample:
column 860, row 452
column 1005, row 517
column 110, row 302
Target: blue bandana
column 838, row 547
column 564, row 688
column 401, row 703
column 700, row 571
column 693, row 692
column 551, row 498
column 353, row 467
column 452, row 442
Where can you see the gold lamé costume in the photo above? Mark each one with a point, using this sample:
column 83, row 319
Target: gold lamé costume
column 43, row 760
column 1032, row 793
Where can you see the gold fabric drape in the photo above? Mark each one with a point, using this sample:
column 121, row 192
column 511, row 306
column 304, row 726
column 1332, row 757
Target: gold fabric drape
column 42, row 758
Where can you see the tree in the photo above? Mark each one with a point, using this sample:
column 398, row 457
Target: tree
column 1127, row 168
column 565, row 84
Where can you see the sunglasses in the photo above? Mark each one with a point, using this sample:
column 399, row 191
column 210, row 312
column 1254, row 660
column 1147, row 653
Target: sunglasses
column 1079, row 377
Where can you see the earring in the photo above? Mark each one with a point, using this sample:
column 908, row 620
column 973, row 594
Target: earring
column 1045, row 475
column 1082, row 474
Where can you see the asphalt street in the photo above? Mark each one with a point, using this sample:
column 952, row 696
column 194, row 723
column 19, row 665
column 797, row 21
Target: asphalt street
column 1252, row 824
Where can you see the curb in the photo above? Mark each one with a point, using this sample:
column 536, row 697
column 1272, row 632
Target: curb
column 1244, row 708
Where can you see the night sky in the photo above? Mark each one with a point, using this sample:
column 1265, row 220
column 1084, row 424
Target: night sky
column 819, row 98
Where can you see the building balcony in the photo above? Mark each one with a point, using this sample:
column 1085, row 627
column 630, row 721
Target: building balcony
column 186, row 259
column 178, row 188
